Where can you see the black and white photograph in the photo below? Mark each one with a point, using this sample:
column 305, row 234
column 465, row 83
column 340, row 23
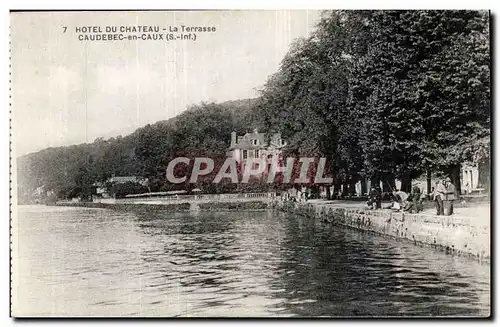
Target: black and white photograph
column 250, row 163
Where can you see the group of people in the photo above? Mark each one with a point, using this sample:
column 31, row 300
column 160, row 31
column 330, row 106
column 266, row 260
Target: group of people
column 295, row 196
column 400, row 200
column 407, row 202
column 443, row 195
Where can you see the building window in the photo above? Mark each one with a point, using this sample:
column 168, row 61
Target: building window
column 283, row 143
column 245, row 154
column 255, row 142
column 256, row 153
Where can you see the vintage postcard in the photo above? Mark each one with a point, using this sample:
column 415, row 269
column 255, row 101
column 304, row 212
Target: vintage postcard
column 250, row 163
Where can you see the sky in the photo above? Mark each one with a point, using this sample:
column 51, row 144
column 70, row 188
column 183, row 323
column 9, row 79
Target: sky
column 67, row 91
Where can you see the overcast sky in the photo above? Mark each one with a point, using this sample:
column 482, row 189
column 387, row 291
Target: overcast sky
column 66, row 91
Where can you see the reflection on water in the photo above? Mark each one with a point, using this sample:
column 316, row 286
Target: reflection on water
column 76, row 261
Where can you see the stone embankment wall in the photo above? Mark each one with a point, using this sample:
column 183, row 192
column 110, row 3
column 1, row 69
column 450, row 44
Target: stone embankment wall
column 453, row 234
column 173, row 207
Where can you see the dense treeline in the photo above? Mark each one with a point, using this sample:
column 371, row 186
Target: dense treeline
column 380, row 94
column 387, row 94
column 71, row 171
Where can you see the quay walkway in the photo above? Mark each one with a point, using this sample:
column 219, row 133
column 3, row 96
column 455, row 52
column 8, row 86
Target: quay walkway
column 466, row 232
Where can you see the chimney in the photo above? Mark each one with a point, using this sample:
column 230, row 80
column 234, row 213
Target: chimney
column 233, row 139
column 256, row 131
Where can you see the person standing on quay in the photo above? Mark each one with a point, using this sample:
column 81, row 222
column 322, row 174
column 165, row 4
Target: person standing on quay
column 450, row 196
column 439, row 196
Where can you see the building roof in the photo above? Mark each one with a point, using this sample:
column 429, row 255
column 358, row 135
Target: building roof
column 123, row 179
column 246, row 142
column 275, row 141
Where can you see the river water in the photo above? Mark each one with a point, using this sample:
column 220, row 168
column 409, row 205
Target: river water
column 99, row 262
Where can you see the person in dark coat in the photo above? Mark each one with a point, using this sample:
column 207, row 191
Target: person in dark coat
column 378, row 198
column 449, row 197
column 373, row 197
column 414, row 200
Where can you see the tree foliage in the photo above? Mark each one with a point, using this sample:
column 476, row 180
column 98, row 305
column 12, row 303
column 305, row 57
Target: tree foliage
column 380, row 94
column 386, row 94
column 202, row 130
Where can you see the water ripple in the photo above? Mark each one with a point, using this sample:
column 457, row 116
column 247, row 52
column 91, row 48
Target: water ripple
column 99, row 262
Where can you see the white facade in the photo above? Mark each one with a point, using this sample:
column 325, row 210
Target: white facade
column 255, row 145
column 469, row 178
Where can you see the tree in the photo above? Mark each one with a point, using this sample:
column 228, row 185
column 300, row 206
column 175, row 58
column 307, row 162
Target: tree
column 455, row 89
column 307, row 99
column 380, row 94
column 202, row 130
column 424, row 84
